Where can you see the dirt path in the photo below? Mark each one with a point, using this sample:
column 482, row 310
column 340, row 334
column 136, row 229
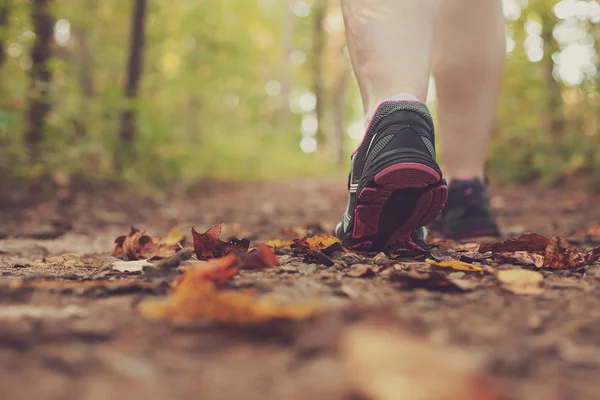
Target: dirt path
column 71, row 340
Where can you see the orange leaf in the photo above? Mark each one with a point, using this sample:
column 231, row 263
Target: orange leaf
column 260, row 258
column 219, row 270
column 325, row 242
column 196, row 296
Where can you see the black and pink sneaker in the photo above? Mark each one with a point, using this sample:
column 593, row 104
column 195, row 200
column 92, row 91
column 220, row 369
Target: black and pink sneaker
column 395, row 184
column 467, row 213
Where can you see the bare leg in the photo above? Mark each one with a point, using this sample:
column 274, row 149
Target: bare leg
column 467, row 67
column 390, row 42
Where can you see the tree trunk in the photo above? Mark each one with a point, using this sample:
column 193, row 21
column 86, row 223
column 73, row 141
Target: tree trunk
column 4, row 13
column 134, row 74
column 40, row 78
column 320, row 12
column 287, row 44
column 553, row 114
column 340, row 92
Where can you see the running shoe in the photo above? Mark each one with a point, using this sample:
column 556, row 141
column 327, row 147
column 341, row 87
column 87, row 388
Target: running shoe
column 467, row 213
column 395, row 184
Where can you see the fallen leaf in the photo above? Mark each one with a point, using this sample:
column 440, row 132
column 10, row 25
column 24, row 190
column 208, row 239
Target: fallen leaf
column 531, row 242
column 260, row 258
column 561, row 254
column 361, row 271
column 139, row 246
column 196, row 296
column 433, row 280
column 521, row 281
column 218, row 270
column 385, row 363
column 208, row 245
column 130, row 266
column 175, row 237
column 455, row 265
column 279, row 243
column 521, row 258
column 320, row 242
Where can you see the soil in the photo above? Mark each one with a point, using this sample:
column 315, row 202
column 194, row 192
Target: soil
column 74, row 334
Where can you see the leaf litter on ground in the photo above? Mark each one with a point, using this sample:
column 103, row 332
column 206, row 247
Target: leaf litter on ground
column 538, row 250
column 195, row 295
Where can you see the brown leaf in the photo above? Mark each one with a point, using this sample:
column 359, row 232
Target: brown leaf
column 135, row 246
column 385, row 363
column 520, row 258
column 361, row 271
column 531, row 242
column 433, row 280
column 455, row 265
column 521, row 281
column 208, row 245
column 260, row 258
column 196, row 296
column 561, row 254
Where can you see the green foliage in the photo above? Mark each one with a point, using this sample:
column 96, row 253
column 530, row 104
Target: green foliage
column 210, row 98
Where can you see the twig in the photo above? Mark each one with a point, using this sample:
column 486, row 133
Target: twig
column 176, row 259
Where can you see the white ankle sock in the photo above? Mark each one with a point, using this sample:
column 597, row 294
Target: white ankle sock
column 397, row 97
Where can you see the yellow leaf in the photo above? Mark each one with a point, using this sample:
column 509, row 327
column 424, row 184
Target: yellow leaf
column 279, row 243
column 174, row 237
column 456, row 265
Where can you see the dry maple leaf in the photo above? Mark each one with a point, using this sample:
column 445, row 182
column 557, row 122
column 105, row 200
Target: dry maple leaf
column 135, row 246
column 196, row 296
column 139, row 246
column 208, row 245
column 456, row 265
column 385, row 363
column 531, row 242
column 521, row 281
column 260, row 258
column 561, row 254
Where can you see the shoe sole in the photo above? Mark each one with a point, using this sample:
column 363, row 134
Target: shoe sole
column 399, row 199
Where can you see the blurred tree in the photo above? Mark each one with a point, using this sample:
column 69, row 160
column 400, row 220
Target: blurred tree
column 40, row 78
column 318, row 39
column 134, row 74
column 4, row 12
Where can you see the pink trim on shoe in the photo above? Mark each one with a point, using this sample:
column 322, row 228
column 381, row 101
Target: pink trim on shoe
column 376, row 109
